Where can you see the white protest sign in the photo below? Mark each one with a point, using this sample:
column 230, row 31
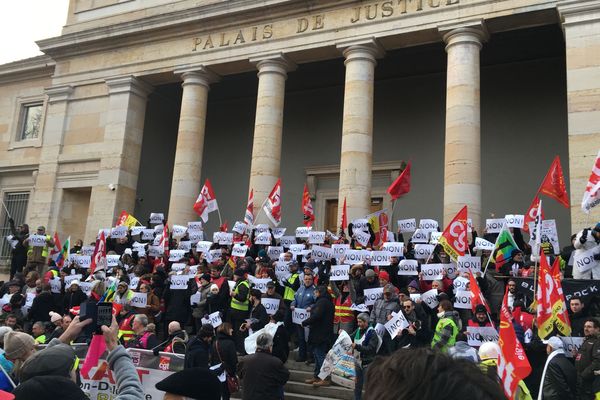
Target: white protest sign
column 372, row 295
column 37, row 240
column 279, row 232
column 299, row 315
column 420, row 236
column 584, row 260
column 179, row 282
column 514, row 220
column 87, row 250
column 176, row 255
column 112, row 260
column 226, row 238
column 429, row 225
column 260, row 284
column 118, row 232
column 287, row 241
column 359, row 307
column 263, row 238
column 273, row 252
column 159, row 228
column 477, row 335
column 549, row 234
column 354, row 256
column 195, row 298
column 362, row 237
column 339, row 249
column 571, row 344
column 71, row 278
column 297, row 249
column 261, row 228
column 423, row 251
column 133, row 282
column 339, row 273
column 379, row 258
column 239, row 250
column 320, row 253
column 147, row 234
column 178, row 231
column 185, row 245
column 415, row 297
column 136, row 230
column 302, row 232
column 483, row 244
column 469, row 263
column 86, row 287
column 316, row 237
column 407, row 225
column 432, row 272
column 239, row 227
column 215, row 319
column 195, row 236
column 494, row 225
column 462, row 299
column 82, row 261
column 460, row 284
column 139, row 300
column 434, row 238
column 271, row 305
column 105, row 231
column 155, row 251
column 396, row 249
column 157, row 218
column 430, row 298
column 395, row 325
column 178, row 267
column 13, row 243
column 214, row 254
column 451, row 270
column 203, row 246
column 194, row 226
column 408, row 267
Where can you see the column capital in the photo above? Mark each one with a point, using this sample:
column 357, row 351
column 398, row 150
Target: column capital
column 277, row 63
column 126, row 84
column 59, row 93
column 468, row 32
column 363, row 49
column 197, row 75
column 573, row 12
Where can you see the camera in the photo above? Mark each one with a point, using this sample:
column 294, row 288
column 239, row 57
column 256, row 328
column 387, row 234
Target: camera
column 112, row 187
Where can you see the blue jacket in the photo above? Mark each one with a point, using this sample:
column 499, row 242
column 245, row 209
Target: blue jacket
column 304, row 297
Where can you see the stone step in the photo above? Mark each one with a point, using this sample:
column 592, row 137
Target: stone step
column 300, row 376
column 299, row 366
column 331, row 392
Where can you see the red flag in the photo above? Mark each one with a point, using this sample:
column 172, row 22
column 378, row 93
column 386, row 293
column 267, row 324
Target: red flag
column 344, row 224
column 454, row 238
column 206, row 201
column 99, row 256
column 532, row 213
column 272, row 206
column 164, row 241
column 122, row 218
column 513, row 365
column 249, row 215
column 401, row 185
column 307, row 208
column 591, row 195
column 476, row 295
column 223, row 227
column 559, row 306
column 553, row 184
column 56, row 249
column 545, row 288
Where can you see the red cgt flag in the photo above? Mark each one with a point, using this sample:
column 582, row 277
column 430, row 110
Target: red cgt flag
column 401, row 185
column 272, row 205
column 206, row 201
column 553, row 184
column 99, row 256
column 532, row 213
column 344, row 223
column 307, row 208
column 454, row 238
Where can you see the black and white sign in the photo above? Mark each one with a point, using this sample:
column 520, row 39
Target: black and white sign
column 339, row 273
column 37, row 240
column 428, row 225
column 462, row 300
column 379, row 258
column 179, row 282
column 203, row 246
column 514, row 220
column 432, row 272
column 316, row 237
column 157, row 218
column 420, row 236
column 396, row 249
column 139, row 300
column 408, row 267
column 271, row 305
column 469, row 263
column 372, row 295
column 423, row 251
column 321, row 253
column 239, row 250
column 494, row 225
column 407, row 225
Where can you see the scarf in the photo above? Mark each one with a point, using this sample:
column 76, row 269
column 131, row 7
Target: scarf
column 550, row 357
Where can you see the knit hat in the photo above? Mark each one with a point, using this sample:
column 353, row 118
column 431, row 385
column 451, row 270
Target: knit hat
column 389, row 288
column 195, row 383
column 17, row 345
column 363, row 317
column 54, row 316
column 74, row 282
column 370, row 273
column 49, row 388
column 239, row 272
column 414, row 285
column 206, row 277
column 57, row 360
column 384, row 275
column 480, row 308
column 3, row 331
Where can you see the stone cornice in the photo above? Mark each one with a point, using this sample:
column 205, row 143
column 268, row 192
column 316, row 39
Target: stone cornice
column 574, row 12
column 26, row 69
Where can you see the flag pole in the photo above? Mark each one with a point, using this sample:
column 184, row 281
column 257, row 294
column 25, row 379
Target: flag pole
column 219, row 214
column 491, row 255
column 10, row 216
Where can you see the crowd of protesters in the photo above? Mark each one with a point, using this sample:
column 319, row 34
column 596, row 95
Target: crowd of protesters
column 41, row 302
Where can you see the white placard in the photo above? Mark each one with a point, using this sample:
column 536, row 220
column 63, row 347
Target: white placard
column 273, row 252
column 476, row 335
column 155, row 251
column 263, row 238
column 302, row 232
column 71, row 278
column 320, row 253
column 118, row 232
column 112, row 260
column 195, row 298
column 462, row 300
column 434, row 237
column 396, row 249
column 176, row 267
column 379, row 258
column 133, row 282
column 339, row 249
column 395, row 325
column 355, row 256
column 359, row 307
column 372, row 295
column 194, row 226
column 407, row 225
column 157, row 218
column 432, row 272
column 178, row 231
column 415, row 297
column 339, row 273
column 430, row 298
column 494, row 225
column 185, row 245
column 203, row 246
column 316, row 237
column 408, row 267
column 159, row 229
column 420, row 236
column 299, row 315
column 287, row 241
column 176, row 255
column 81, row 261
column 483, row 244
column 571, row 344
column 460, row 284
column 239, row 250
column 136, row 230
column 451, row 270
column 261, row 228
column 179, row 282
column 297, row 248
column 260, row 284
column 226, row 238
column 215, row 319
column 239, row 227
column 37, row 240
column 86, row 287
column 584, row 260
column 271, row 305
column 195, row 236
column 214, row 254
column 147, row 234
column 362, row 237
column 423, row 251
column 549, row 234
column 428, row 225
column 514, row 220
column 469, row 263
column 278, row 232
column 360, row 225
column 87, row 250
column 139, row 300
column 55, row 285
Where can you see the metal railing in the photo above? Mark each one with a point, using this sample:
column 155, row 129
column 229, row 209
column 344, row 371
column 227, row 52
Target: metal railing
column 16, row 204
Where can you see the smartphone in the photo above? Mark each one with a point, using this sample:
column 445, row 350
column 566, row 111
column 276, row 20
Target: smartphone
column 104, row 315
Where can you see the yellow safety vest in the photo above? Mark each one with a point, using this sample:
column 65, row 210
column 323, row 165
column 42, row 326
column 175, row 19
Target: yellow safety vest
column 44, row 249
column 437, row 336
column 288, row 293
column 240, row 305
column 40, row 339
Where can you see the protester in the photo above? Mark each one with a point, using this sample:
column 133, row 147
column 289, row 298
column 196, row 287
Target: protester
column 365, row 344
column 19, row 251
column 447, row 327
column 461, row 350
column 199, row 348
column 303, row 298
column 488, row 354
column 223, row 353
column 176, row 342
column 143, row 338
column 382, row 313
column 239, row 307
column 587, row 359
column 559, row 378
column 578, row 315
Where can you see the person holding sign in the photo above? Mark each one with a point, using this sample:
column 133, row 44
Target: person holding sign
column 258, row 314
column 239, row 306
column 364, row 343
column 37, row 250
column 480, row 319
column 74, row 296
column 18, row 258
column 382, row 313
column 152, row 303
column 304, row 298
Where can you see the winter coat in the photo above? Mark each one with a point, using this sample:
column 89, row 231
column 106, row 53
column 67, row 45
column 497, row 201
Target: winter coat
column 202, row 308
column 281, row 347
column 73, row 299
column 463, row 351
column 197, row 354
column 258, row 313
column 178, row 304
column 42, row 304
column 224, row 352
column 263, row 376
column 586, row 362
column 560, row 381
column 368, row 348
column 382, row 309
column 304, row 297
column 321, row 322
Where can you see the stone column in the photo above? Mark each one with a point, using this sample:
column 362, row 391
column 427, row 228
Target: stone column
column 357, row 128
column 46, row 197
column 187, row 168
column 268, row 127
column 581, row 26
column 462, row 172
column 120, row 152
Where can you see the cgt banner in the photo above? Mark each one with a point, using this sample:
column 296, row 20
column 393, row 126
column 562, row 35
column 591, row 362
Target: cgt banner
column 100, row 383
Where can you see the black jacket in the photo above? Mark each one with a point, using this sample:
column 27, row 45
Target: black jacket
column 263, row 376
column 259, row 313
column 560, row 381
column 41, row 307
column 73, row 299
column 177, row 304
column 281, row 347
column 197, row 354
column 223, row 351
column 577, row 321
column 321, row 321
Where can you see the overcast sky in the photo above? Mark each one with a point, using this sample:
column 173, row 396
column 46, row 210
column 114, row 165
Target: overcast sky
column 22, row 22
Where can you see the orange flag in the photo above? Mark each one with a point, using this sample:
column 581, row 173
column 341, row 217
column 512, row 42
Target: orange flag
column 553, row 184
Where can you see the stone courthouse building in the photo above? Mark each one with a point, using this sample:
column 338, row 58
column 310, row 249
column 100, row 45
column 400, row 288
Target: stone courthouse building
column 139, row 101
